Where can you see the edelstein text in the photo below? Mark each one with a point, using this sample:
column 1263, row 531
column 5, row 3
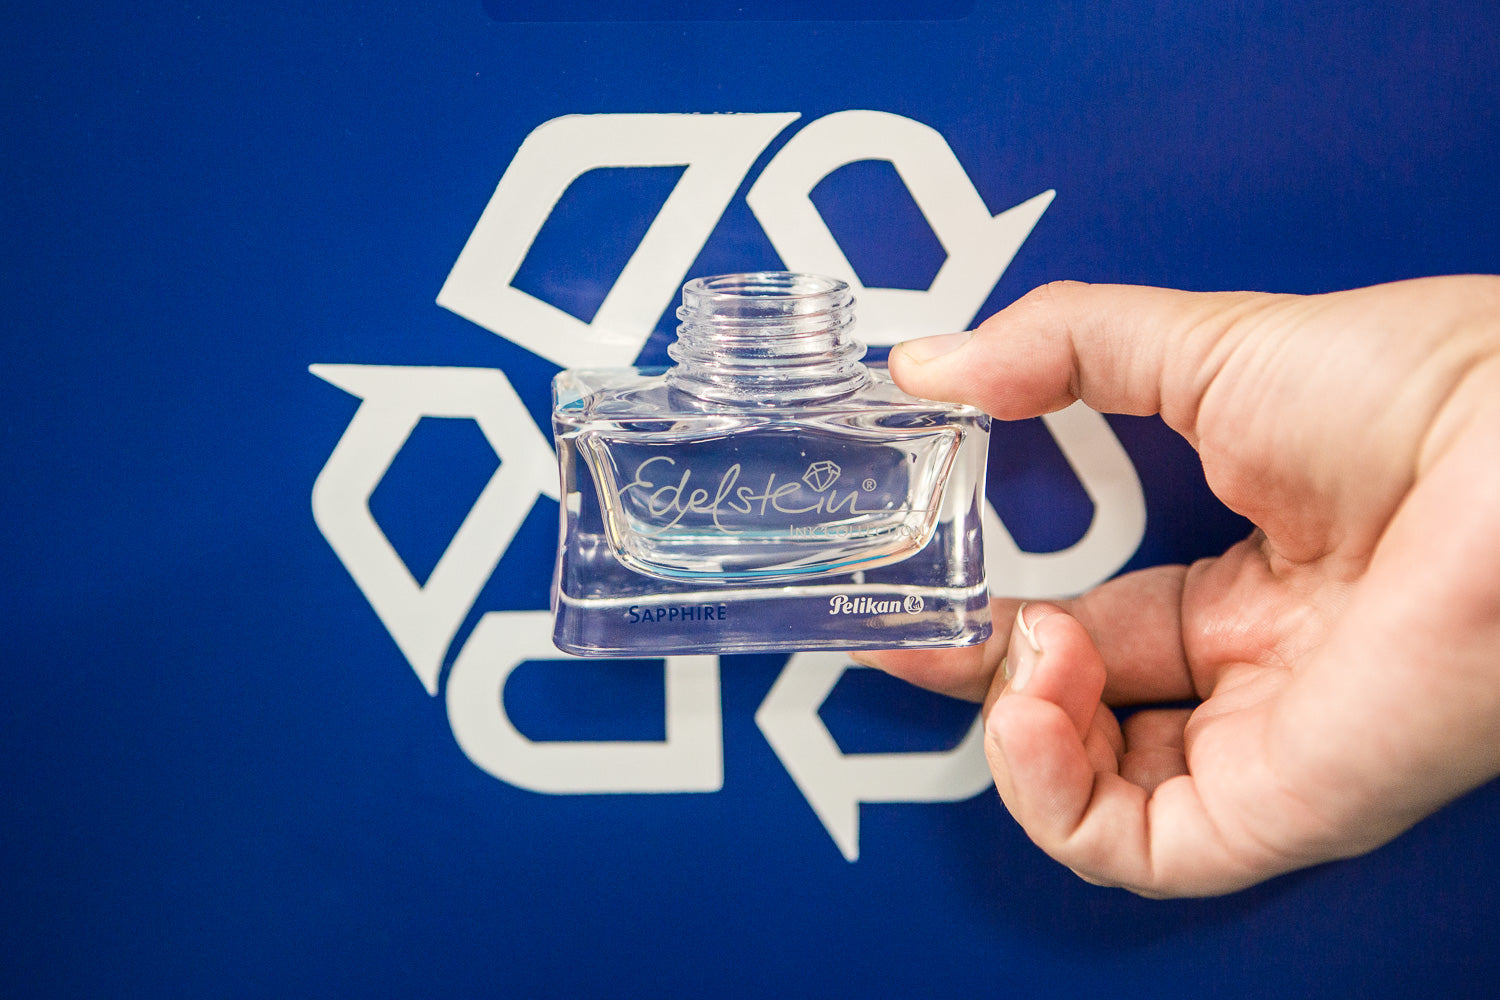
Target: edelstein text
column 677, row 500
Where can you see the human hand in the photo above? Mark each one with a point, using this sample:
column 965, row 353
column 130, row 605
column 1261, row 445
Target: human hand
column 1345, row 658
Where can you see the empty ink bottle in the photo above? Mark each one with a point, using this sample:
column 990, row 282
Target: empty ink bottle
column 768, row 492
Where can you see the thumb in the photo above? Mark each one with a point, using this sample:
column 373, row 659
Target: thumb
column 1119, row 348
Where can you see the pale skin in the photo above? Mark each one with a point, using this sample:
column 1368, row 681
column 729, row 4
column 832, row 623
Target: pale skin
column 1344, row 659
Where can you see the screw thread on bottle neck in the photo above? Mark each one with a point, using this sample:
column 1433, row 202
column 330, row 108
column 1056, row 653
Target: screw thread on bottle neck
column 767, row 338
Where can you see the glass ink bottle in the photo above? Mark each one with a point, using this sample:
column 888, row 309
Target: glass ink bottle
column 768, row 492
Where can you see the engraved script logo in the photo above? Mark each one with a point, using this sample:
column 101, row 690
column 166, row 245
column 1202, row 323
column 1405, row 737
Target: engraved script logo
column 676, row 500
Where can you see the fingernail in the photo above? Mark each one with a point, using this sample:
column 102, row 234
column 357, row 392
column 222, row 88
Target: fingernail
column 1005, row 666
column 863, row 658
column 1036, row 647
column 925, row 349
column 1021, row 659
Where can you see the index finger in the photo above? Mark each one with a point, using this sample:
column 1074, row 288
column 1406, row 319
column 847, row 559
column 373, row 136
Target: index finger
column 1119, row 348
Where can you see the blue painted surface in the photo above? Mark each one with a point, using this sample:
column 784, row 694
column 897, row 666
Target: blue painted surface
column 220, row 776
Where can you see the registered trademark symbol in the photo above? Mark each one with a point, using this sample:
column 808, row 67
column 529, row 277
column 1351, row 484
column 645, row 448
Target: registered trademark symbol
column 869, row 485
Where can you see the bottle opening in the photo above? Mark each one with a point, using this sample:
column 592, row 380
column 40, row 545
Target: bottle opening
column 767, row 337
column 763, row 295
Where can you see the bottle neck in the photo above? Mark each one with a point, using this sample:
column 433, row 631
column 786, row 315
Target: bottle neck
column 767, row 338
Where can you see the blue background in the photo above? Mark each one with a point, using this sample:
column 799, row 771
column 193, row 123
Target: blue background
column 219, row 775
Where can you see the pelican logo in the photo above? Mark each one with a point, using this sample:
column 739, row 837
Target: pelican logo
column 843, row 604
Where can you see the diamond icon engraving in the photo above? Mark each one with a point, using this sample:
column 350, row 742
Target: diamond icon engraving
column 821, row 475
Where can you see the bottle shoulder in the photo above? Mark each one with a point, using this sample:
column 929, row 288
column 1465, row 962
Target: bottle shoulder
column 626, row 393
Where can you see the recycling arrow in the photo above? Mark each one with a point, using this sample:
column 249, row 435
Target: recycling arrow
column 835, row 783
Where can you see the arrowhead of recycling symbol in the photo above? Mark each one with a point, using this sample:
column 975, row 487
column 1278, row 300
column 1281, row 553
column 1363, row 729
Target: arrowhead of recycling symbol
column 821, row 475
column 835, row 783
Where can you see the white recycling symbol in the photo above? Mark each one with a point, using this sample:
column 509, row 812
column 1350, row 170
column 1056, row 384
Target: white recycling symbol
column 717, row 152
